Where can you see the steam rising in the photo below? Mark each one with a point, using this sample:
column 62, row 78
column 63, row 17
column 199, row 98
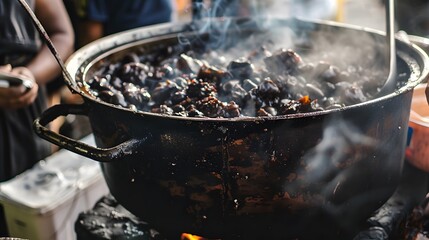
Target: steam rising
column 343, row 49
column 309, row 9
column 342, row 145
column 337, row 165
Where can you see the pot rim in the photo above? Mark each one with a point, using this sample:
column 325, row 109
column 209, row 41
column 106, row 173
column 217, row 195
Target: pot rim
column 78, row 64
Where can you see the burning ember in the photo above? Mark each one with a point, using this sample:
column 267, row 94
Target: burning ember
column 188, row 236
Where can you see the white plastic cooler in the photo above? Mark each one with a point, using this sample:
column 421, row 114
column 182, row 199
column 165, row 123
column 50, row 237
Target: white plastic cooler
column 44, row 202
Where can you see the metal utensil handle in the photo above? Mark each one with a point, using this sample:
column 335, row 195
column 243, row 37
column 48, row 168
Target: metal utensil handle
column 390, row 31
column 120, row 151
column 390, row 83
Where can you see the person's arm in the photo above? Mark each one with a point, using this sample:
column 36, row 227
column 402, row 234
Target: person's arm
column 92, row 14
column 43, row 68
column 54, row 18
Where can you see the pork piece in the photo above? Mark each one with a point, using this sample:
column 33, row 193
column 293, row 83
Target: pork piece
column 283, row 61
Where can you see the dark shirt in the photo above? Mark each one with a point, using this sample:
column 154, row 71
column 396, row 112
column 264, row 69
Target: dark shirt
column 120, row 15
column 20, row 147
column 17, row 33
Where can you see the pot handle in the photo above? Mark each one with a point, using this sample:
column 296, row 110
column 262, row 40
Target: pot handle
column 120, row 151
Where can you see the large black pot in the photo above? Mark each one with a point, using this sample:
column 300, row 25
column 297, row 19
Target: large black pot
column 316, row 174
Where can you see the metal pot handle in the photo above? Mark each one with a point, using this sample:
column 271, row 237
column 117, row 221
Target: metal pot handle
column 120, row 151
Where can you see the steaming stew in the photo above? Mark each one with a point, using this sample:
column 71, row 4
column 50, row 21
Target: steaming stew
column 261, row 82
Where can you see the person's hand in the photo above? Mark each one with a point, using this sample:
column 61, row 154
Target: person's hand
column 17, row 97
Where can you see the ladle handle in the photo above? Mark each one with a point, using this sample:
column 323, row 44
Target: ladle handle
column 121, row 151
column 390, row 84
column 390, row 33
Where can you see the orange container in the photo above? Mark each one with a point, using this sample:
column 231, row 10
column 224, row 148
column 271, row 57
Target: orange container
column 418, row 149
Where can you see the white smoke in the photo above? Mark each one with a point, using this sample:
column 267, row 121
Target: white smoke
column 308, row 9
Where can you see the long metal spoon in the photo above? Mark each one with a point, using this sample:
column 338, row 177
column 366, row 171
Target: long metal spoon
column 390, row 84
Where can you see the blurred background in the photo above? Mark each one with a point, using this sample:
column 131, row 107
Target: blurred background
column 410, row 14
column 368, row 13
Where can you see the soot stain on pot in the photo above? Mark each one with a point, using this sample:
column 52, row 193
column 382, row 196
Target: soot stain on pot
column 226, row 178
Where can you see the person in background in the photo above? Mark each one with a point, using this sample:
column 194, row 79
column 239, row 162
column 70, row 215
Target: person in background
column 99, row 18
column 22, row 54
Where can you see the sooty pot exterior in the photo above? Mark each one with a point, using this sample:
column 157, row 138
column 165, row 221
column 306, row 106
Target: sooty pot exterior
column 223, row 179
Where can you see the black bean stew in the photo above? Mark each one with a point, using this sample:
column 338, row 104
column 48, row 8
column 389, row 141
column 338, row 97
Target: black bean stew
column 259, row 83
